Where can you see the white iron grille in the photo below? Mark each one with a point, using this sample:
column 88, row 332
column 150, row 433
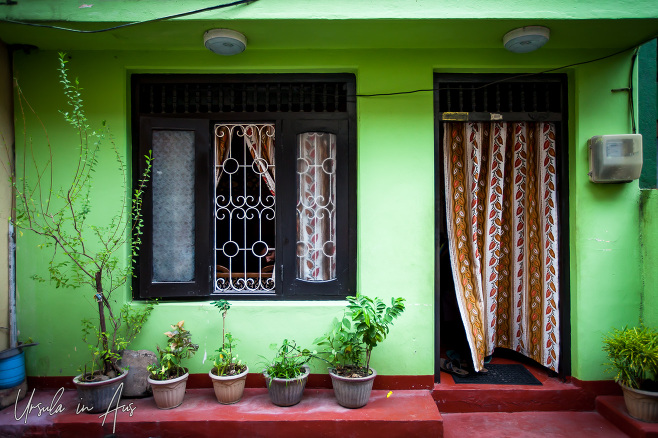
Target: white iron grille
column 244, row 208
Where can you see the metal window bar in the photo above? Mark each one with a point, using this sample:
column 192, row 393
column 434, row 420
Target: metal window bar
column 203, row 97
column 244, row 217
column 531, row 101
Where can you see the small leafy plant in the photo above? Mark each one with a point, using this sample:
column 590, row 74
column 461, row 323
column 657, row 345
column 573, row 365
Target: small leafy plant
column 342, row 347
column 350, row 341
column 633, row 355
column 225, row 362
column 179, row 347
column 288, row 362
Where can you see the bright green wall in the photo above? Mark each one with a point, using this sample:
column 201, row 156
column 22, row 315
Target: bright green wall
column 395, row 202
column 6, row 145
column 606, row 266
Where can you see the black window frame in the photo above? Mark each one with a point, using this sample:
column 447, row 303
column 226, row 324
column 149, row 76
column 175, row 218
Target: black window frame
column 290, row 120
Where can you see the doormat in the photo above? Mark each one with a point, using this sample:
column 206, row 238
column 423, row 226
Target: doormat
column 500, row 374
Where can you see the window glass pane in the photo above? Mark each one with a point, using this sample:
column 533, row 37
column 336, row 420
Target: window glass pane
column 244, row 208
column 316, row 206
column 173, row 206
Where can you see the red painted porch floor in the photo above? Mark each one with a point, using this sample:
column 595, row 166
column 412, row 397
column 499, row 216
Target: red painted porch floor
column 402, row 414
column 555, row 409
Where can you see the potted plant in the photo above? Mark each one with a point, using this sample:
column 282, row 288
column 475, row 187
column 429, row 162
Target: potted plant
column 286, row 374
column 86, row 248
column 228, row 373
column 633, row 355
column 349, row 344
column 168, row 377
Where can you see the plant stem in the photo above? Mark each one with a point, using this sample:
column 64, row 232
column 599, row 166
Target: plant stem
column 101, row 315
column 223, row 329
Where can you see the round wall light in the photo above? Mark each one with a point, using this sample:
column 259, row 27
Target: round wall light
column 225, row 41
column 526, row 39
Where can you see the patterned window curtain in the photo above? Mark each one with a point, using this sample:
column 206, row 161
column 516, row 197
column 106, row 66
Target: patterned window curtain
column 501, row 211
column 259, row 139
column 222, row 150
column 316, row 206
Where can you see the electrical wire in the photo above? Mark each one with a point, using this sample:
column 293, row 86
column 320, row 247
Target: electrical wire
column 396, row 93
column 631, row 103
column 511, row 78
column 168, row 17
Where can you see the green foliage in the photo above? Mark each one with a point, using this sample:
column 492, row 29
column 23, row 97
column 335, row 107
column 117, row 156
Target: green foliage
column 350, row 341
column 341, row 345
column 225, row 362
column 223, row 306
column 633, row 355
column 83, row 251
column 288, row 360
column 133, row 319
column 170, row 359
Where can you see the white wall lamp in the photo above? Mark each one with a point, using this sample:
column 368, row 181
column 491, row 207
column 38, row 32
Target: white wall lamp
column 526, row 39
column 224, row 41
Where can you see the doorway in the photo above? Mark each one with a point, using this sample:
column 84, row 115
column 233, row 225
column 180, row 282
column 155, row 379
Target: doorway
column 488, row 241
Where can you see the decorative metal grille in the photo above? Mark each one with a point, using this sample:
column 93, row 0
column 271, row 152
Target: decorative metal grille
column 316, row 206
column 244, row 208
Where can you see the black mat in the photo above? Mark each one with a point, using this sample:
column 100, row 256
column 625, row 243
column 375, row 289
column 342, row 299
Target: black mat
column 500, row 374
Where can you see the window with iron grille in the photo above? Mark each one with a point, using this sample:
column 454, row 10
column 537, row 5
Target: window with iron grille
column 253, row 186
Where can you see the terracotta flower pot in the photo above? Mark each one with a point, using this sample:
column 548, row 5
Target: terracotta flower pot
column 229, row 389
column 641, row 405
column 287, row 392
column 97, row 396
column 169, row 394
column 352, row 392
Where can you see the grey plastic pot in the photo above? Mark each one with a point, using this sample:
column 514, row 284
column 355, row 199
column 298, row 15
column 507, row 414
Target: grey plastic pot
column 97, row 396
column 352, row 392
column 642, row 405
column 287, row 392
column 169, row 394
column 229, row 389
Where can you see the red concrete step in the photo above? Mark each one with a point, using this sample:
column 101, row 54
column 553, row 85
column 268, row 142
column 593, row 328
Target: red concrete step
column 553, row 395
column 404, row 413
column 613, row 409
column 528, row 425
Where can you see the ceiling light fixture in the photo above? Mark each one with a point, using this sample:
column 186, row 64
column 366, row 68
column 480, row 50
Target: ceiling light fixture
column 526, row 39
column 224, row 41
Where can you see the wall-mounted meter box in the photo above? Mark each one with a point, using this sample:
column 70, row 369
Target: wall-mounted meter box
column 615, row 158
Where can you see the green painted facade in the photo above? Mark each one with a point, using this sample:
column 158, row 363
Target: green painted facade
column 612, row 248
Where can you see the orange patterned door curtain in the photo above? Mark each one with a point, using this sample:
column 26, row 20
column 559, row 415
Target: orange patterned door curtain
column 501, row 204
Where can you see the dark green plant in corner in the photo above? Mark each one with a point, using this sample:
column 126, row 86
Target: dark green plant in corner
column 350, row 341
column 225, row 362
column 85, row 248
column 633, row 355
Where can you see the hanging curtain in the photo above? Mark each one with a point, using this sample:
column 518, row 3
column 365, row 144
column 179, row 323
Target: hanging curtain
column 259, row 140
column 316, row 206
column 501, row 213
column 222, row 150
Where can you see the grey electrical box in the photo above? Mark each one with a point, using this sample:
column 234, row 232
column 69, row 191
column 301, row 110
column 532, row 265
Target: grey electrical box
column 615, row 158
